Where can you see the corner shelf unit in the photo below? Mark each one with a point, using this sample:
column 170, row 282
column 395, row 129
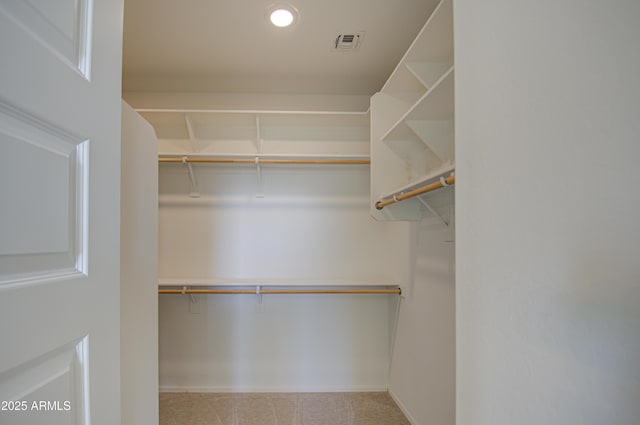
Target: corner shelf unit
column 412, row 120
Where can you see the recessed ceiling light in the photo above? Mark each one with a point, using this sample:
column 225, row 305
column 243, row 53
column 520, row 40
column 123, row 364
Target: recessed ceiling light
column 282, row 16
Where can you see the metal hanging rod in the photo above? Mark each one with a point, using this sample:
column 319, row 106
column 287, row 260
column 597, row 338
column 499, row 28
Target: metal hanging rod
column 443, row 182
column 259, row 291
column 259, row 160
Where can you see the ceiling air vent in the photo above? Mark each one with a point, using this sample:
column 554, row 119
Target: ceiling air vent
column 348, row 41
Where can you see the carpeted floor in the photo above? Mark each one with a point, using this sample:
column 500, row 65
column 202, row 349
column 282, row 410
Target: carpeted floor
column 279, row 409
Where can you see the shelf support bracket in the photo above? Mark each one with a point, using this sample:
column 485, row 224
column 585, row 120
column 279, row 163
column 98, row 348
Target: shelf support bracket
column 404, row 291
column 258, row 135
column 192, row 134
column 260, row 191
column 432, row 211
column 193, row 188
column 194, row 304
column 259, row 294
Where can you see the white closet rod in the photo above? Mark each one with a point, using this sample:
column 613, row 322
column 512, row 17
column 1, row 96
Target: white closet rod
column 260, row 159
column 443, row 182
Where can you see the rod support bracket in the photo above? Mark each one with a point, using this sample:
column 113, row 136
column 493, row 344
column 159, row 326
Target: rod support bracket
column 260, row 191
column 404, row 291
column 259, row 294
column 193, row 188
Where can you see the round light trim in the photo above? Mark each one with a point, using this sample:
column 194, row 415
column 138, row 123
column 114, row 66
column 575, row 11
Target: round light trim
column 281, row 17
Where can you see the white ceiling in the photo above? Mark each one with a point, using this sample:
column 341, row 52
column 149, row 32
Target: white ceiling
column 229, row 47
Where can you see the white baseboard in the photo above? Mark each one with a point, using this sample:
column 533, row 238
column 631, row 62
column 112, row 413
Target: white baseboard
column 403, row 408
column 284, row 389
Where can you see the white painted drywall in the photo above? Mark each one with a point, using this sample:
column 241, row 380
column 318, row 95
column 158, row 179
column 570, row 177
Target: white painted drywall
column 139, row 271
column 287, row 343
column 311, row 226
column 422, row 376
column 547, row 212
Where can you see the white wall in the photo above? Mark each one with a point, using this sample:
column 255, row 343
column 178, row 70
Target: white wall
column 139, row 271
column 311, row 226
column 422, row 376
column 547, row 206
column 287, row 343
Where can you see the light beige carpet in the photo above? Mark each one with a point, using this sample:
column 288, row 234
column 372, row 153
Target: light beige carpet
column 279, row 409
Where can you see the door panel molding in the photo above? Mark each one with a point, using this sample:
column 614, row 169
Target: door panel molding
column 55, row 383
column 44, row 215
column 64, row 31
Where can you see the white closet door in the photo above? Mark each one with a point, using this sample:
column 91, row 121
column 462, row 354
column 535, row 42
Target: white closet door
column 60, row 66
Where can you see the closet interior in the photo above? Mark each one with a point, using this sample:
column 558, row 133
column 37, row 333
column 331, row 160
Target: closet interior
column 270, row 211
column 312, row 249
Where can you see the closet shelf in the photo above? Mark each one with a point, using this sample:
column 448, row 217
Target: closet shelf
column 435, row 105
column 428, row 73
column 217, row 282
column 262, row 291
column 430, row 54
column 428, row 124
column 256, row 159
column 202, row 130
column 251, row 112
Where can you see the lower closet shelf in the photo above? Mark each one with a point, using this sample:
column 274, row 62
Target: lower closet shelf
column 261, row 291
column 202, row 286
